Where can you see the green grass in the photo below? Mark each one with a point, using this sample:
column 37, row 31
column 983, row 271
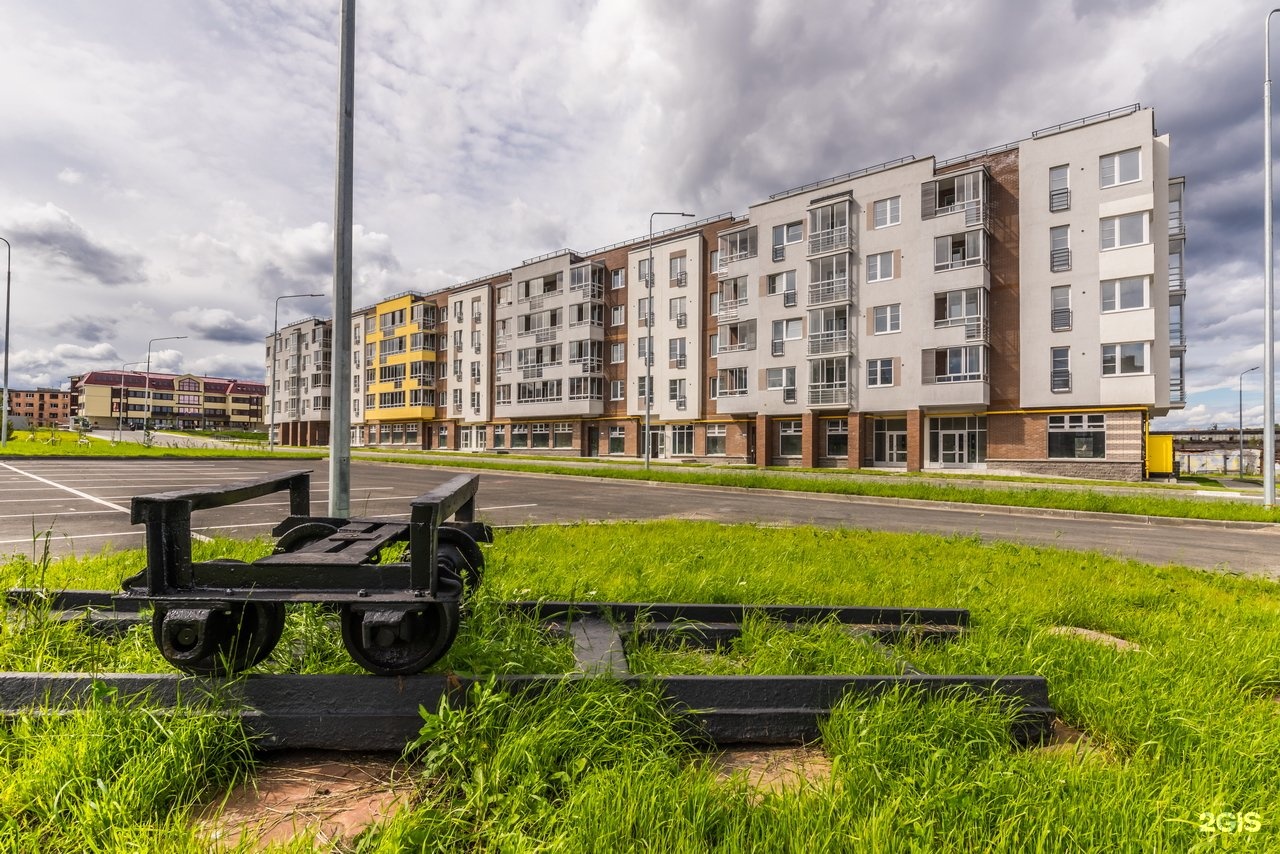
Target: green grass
column 1185, row 725
column 100, row 444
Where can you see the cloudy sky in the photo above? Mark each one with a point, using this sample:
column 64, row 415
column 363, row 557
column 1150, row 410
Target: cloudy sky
column 166, row 168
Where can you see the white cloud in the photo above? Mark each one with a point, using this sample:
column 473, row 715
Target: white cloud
column 71, row 176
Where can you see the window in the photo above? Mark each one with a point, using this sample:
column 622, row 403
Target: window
column 618, row 316
column 780, row 283
column 879, row 372
column 953, row 251
column 675, row 390
column 617, row 389
column 682, row 440
column 502, row 394
column 617, row 440
column 1122, row 294
column 519, row 435
column 784, row 234
column 714, row 260
column 955, row 364
column 1059, row 188
column 1122, row 167
column 880, row 267
column 644, row 346
column 1077, row 436
column 776, row 378
column 837, row 437
column 1059, row 369
column 1060, row 308
column 676, row 352
column 887, row 212
column 714, row 302
column 1126, row 230
column 475, row 400
column 677, row 310
column 677, row 270
column 716, row 434
column 619, row 279
column 888, row 318
column 738, row 245
column 790, row 438
column 787, row 330
column 617, row 352
column 1128, row 358
column 713, row 344
column 1059, row 249
column 562, row 435
column 829, row 227
column 956, row 308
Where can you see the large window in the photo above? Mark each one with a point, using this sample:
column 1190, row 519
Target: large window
column 776, row 378
column 790, row 438
column 1122, row 167
column 617, row 440
column 953, row 251
column 956, row 308
column 716, row 435
column 1116, row 232
column 682, row 440
column 887, row 212
column 740, row 244
column 879, row 266
column 786, row 330
column 1077, row 436
column 956, row 364
column 889, row 441
column 888, row 318
column 1128, row 358
column 1122, row 294
column 837, row 437
column 879, row 372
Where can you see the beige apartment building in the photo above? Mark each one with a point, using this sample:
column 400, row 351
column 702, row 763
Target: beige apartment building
column 300, row 382
column 171, row 401
column 1015, row 309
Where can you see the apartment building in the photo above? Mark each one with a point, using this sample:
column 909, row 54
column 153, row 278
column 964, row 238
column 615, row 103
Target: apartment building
column 171, row 401
column 300, row 382
column 1015, row 309
column 39, row 407
column 394, row 371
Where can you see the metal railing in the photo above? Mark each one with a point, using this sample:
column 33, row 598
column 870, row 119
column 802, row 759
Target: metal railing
column 788, row 299
column 680, row 279
column 829, row 290
column 830, row 240
column 823, row 343
column 1059, row 200
column 1060, row 319
column 729, row 308
column 1059, row 260
column 977, row 330
column 779, row 347
column 1177, row 281
column 779, row 253
column 1177, row 334
column 825, row 394
column 1060, row 380
column 682, row 320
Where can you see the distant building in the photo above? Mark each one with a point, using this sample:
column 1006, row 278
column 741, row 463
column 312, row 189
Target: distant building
column 171, row 401
column 299, row 372
column 1217, row 450
column 41, row 407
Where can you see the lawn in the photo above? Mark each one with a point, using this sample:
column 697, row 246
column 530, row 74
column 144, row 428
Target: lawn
column 1181, row 729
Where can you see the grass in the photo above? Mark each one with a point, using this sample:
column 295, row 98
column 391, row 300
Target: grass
column 1184, row 726
column 25, row 444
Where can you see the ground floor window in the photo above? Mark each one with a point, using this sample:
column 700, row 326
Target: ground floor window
column 889, row 441
column 444, row 437
column 790, row 438
column 716, row 434
column 837, row 437
column 499, row 435
column 384, row 434
column 411, row 434
column 1081, row 436
column 464, row 438
column 519, row 435
column 563, row 434
column 481, row 440
column 682, row 440
column 541, row 435
column 958, row 440
column 617, row 440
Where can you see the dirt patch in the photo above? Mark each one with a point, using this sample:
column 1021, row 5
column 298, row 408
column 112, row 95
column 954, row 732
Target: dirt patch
column 1096, row 637
column 1066, row 740
column 773, row 769
column 330, row 797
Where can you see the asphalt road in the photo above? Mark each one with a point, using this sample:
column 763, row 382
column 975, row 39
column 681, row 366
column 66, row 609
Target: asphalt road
column 84, row 506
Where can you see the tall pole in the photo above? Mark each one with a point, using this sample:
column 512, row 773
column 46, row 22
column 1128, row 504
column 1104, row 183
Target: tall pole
column 650, row 314
column 146, row 423
column 275, row 354
column 4, row 400
column 1268, row 461
column 120, row 413
column 340, row 413
column 1242, row 373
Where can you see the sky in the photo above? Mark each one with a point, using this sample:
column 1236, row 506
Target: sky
column 167, row 168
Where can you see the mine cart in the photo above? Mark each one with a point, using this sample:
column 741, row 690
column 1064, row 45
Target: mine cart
column 396, row 585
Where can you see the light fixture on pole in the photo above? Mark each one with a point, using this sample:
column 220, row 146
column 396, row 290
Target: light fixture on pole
column 1268, row 461
column 275, row 351
column 4, row 400
column 648, row 322
column 146, row 423
column 124, row 409
column 1242, row 373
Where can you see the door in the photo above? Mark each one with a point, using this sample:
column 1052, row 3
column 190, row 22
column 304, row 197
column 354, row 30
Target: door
column 593, row 442
column 657, row 443
column 954, row 447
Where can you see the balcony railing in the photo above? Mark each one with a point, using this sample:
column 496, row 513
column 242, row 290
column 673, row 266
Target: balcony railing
column 739, row 347
column 679, row 362
column 1059, row 200
column 977, row 329
column 789, row 394
column 1177, row 335
column 733, row 392
column 682, row 320
column 542, row 336
column 829, row 290
column 779, row 253
column 729, row 309
column 788, row 299
column 1177, row 281
column 829, row 342
column 679, row 280
column 1177, row 226
column 1059, row 260
column 1177, row 391
column 959, row 263
column 592, row 366
column 779, row 347
column 830, row 240
column 1060, row 319
column 825, row 394
column 1060, row 380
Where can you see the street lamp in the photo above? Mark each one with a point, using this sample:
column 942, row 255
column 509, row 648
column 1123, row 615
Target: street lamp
column 1242, row 373
column 146, row 424
column 4, row 403
column 120, row 413
column 648, row 360
column 275, row 350
column 1268, row 461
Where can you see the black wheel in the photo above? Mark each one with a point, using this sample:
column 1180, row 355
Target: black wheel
column 303, row 535
column 217, row 641
column 459, row 558
column 391, row 643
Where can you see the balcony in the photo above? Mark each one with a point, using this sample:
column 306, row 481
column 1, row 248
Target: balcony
column 825, row 343
column 739, row 347
column 591, row 366
column 542, row 336
column 1177, row 225
column 976, row 329
column 1060, row 380
column 729, row 309
column 831, row 240
column 1059, row 200
column 1177, row 281
column 1059, row 260
column 1177, row 335
column 829, row 290
column 1060, row 319
column 732, row 392
column 827, row 394
column 1177, row 392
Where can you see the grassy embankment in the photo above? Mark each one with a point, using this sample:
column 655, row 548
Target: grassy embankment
column 64, row 444
column 1179, row 731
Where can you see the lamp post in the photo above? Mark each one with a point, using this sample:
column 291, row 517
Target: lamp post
column 4, row 402
column 648, row 321
column 1242, row 373
column 123, row 408
column 275, row 351
column 1268, row 461
column 146, row 424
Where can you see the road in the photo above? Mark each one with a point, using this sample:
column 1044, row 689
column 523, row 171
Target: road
column 84, row 506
